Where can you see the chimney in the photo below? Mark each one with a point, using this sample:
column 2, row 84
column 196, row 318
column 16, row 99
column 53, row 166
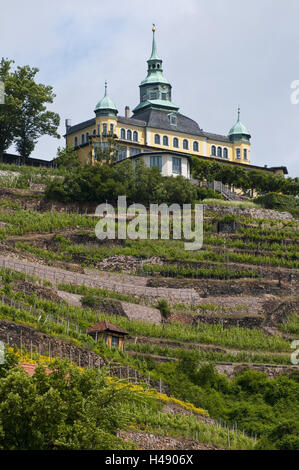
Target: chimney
column 127, row 112
column 68, row 124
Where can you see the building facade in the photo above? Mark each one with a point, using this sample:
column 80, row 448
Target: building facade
column 156, row 126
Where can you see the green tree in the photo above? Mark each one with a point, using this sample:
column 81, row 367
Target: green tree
column 67, row 158
column 106, row 152
column 67, row 409
column 26, row 102
column 164, row 308
column 8, row 110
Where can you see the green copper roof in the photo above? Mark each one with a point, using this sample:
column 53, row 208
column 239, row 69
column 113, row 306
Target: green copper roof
column 157, row 104
column 106, row 102
column 155, row 77
column 238, row 128
column 154, row 55
column 155, row 69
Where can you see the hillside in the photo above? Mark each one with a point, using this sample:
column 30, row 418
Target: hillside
column 207, row 362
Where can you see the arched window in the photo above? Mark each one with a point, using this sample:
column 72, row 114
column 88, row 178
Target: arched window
column 185, row 144
column 176, row 142
column 245, row 154
column 122, row 134
column 135, row 136
column 76, row 141
column 87, row 137
column 225, row 153
column 165, row 140
column 195, row 147
column 213, row 151
column 219, row 152
column 105, row 128
column 157, row 139
column 112, row 128
column 94, row 132
column 129, row 134
column 238, row 154
column 82, row 139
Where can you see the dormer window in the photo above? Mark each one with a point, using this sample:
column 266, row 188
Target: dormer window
column 173, row 119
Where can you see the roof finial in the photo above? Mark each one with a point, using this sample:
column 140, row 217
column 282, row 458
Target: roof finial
column 239, row 112
column 105, row 87
column 154, row 28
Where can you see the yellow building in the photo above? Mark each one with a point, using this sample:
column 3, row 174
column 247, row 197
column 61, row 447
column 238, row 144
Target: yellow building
column 156, row 128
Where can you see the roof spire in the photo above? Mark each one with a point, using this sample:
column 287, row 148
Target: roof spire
column 239, row 112
column 105, row 87
column 154, row 48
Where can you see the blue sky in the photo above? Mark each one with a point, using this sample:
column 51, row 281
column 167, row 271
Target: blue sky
column 217, row 54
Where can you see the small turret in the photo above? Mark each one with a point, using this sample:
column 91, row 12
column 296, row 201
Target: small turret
column 106, row 107
column 239, row 132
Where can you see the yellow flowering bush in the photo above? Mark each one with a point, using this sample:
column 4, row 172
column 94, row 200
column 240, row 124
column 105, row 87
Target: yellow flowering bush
column 25, row 357
column 163, row 397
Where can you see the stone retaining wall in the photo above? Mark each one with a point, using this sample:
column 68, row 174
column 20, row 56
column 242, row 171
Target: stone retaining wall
column 272, row 371
column 249, row 212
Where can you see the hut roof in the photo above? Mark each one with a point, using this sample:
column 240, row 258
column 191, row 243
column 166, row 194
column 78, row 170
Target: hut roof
column 106, row 326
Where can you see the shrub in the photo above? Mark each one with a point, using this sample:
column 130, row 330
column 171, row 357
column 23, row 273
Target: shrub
column 164, row 308
column 205, row 193
column 281, row 202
